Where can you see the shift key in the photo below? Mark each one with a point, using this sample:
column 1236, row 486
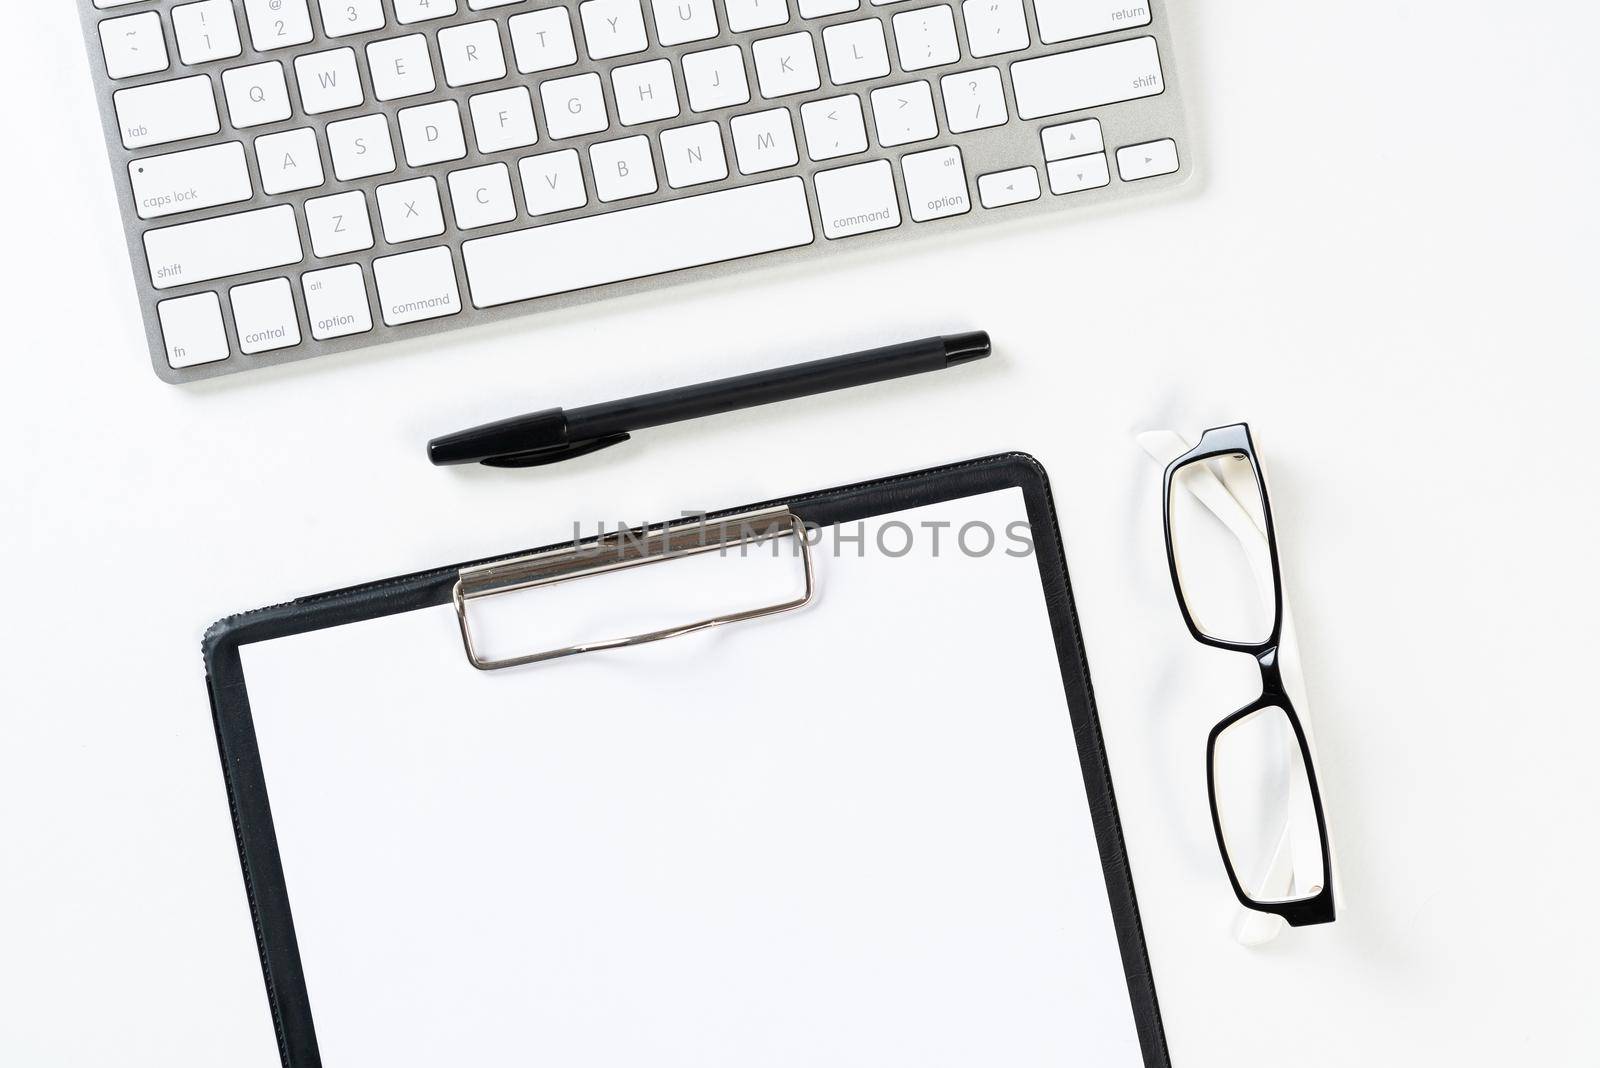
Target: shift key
column 227, row 245
column 1087, row 78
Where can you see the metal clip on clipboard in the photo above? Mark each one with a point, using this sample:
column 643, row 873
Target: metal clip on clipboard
column 618, row 552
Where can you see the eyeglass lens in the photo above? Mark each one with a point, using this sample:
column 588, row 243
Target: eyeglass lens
column 1217, row 525
column 1263, row 798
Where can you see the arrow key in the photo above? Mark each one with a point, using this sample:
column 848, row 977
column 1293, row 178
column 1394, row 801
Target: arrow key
column 1148, row 160
column 1080, row 138
column 1001, row 188
column 1076, row 175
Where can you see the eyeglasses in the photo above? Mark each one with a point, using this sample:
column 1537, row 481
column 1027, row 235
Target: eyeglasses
column 1266, row 807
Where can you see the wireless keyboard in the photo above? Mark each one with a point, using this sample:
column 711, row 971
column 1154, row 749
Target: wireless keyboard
column 301, row 177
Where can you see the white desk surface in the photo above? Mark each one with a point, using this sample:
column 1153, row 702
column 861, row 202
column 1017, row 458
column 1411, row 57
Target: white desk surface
column 1388, row 268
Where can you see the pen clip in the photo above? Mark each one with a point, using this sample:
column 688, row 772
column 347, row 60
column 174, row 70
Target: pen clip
column 554, row 453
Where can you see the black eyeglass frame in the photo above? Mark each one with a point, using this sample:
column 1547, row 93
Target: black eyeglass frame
column 1234, row 441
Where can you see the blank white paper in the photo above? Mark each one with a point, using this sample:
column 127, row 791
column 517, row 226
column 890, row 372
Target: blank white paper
column 851, row 835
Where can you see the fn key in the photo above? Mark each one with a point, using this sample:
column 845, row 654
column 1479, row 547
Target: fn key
column 192, row 330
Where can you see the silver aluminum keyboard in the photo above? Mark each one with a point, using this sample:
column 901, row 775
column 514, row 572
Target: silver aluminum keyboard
column 301, row 177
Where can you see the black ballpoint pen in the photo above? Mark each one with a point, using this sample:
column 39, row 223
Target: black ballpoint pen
column 556, row 434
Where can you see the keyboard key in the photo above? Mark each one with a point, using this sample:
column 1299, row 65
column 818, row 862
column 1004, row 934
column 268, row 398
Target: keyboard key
column 746, row 15
column 263, row 316
column 1068, row 20
column 715, row 79
column 481, row 196
column 417, row 285
column 216, row 248
column 1076, row 175
column 612, row 28
column 973, row 100
column 134, row 45
column 904, row 113
column 1149, row 160
column 856, row 51
column 289, row 161
column 407, row 12
column 816, row 9
column 644, row 92
column 693, row 155
column 857, row 200
column 1086, row 78
column 341, row 18
column 189, row 181
column 1072, row 139
column 995, row 27
column 936, row 184
column 400, row 67
column 361, row 147
column 623, row 168
column 191, row 328
column 553, row 182
column 926, row 37
column 833, row 127
column 682, row 21
column 764, row 141
column 164, row 112
column 206, row 31
column 573, row 106
column 410, row 211
column 786, row 65
column 542, row 40
column 712, row 227
column 472, row 54
column 339, row 225
column 336, row 302
column 256, row 95
column 503, row 119
column 1004, row 188
column 431, row 133
column 329, row 81
column 278, row 23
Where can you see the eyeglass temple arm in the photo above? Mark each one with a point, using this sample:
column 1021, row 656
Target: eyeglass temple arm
column 1253, row 928
column 1221, row 496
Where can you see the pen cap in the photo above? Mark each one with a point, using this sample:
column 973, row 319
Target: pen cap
column 536, row 433
column 960, row 348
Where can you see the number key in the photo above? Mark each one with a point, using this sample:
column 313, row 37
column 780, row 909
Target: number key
column 278, row 23
column 341, row 18
column 206, row 31
column 409, row 11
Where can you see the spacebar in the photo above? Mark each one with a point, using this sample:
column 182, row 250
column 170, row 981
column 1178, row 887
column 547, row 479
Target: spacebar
column 637, row 242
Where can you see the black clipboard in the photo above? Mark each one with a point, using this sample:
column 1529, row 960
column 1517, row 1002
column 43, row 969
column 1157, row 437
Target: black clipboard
column 245, row 778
